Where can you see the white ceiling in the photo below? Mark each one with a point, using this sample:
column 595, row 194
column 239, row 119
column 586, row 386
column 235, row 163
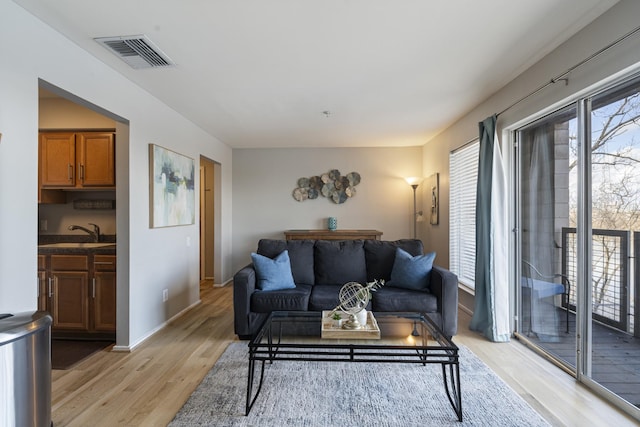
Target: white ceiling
column 260, row 73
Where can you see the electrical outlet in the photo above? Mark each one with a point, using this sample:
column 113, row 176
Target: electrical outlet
column 165, row 295
column 188, row 241
column 43, row 225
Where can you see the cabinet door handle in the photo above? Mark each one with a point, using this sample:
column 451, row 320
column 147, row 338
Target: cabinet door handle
column 39, row 281
column 93, row 290
column 70, row 172
column 103, row 262
column 81, row 171
column 50, row 290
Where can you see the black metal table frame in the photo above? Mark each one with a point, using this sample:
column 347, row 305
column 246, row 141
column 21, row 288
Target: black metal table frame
column 446, row 356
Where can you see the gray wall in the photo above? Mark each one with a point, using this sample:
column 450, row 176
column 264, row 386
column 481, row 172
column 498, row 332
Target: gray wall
column 264, row 179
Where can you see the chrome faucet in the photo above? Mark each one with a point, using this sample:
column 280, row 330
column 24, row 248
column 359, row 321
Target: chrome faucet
column 95, row 234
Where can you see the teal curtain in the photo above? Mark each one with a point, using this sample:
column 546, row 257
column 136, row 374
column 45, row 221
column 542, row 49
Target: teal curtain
column 491, row 311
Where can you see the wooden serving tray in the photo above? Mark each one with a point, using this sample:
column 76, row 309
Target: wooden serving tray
column 368, row 331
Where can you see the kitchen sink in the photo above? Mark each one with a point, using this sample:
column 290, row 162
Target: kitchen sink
column 76, row 245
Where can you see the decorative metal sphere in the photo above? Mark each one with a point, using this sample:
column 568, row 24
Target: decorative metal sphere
column 353, row 297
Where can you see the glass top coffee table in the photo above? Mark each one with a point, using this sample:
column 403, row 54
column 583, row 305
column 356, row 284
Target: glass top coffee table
column 404, row 338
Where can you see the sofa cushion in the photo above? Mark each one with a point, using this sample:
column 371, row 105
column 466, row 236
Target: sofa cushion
column 300, row 256
column 398, row 299
column 325, row 297
column 411, row 272
column 380, row 255
column 273, row 274
column 338, row 262
column 296, row 299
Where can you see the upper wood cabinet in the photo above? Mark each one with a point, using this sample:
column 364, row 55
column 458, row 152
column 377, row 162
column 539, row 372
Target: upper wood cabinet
column 95, row 157
column 78, row 160
column 57, row 159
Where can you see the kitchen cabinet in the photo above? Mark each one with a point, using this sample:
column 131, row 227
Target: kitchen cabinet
column 77, row 160
column 103, row 293
column 42, row 283
column 68, row 291
column 79, row 291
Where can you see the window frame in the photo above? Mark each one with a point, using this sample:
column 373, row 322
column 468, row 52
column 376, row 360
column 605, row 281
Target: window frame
column 463, row 173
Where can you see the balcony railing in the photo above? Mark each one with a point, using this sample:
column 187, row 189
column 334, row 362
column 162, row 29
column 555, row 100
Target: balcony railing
column 615, row 286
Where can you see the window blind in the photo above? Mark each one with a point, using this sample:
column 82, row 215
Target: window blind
column 463, row 170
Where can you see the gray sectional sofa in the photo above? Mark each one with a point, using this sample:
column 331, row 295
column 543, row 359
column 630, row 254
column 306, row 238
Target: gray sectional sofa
column 319, row 268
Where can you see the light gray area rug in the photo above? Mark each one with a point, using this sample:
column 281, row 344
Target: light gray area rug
column 352, row 394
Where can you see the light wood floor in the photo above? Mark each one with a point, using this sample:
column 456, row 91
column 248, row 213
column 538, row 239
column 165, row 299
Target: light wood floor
column 149, row 385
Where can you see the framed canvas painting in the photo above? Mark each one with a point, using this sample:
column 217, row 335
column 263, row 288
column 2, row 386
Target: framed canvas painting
column 172, row 188
column 433, row 186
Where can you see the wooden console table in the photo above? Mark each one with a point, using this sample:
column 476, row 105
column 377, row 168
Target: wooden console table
column 332, row 235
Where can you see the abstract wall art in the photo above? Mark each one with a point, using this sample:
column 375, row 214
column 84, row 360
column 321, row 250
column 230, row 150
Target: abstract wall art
column 172, row 188
column 332, row 185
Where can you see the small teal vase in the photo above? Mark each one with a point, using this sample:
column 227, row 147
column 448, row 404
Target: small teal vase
column 332, row 223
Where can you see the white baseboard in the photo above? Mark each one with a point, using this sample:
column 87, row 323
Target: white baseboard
column 130, row 348
column 465, row 309
column 216, row 285
column 222, row 285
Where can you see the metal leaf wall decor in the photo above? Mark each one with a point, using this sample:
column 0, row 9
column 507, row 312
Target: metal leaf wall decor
column 331, row 185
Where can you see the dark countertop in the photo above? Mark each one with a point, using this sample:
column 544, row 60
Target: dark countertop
column 103, row 250
column 44, row 242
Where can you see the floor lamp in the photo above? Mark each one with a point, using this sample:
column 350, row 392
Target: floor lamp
column 414, row 182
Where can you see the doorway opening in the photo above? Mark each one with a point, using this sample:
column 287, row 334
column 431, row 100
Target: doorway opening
column 102, row 211
column 209, row 221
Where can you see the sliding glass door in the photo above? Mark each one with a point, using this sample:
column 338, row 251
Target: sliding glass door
column 546, row 196
column 613, row 346
column 578, row 240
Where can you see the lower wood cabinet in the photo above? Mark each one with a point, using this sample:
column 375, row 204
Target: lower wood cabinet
column 103, row 294
column 79, row 291
column 43, row 295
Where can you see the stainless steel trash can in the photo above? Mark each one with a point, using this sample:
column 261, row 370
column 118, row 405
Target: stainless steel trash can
column 25, row 369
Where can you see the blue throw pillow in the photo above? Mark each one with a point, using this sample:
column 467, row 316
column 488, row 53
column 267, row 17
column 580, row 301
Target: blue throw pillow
column 273, row 274
column 412, row 272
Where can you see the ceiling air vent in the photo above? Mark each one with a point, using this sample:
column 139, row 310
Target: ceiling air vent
column 137, row 51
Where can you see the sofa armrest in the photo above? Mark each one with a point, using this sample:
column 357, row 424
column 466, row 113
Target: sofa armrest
column 444, row 285
column 244, row 284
